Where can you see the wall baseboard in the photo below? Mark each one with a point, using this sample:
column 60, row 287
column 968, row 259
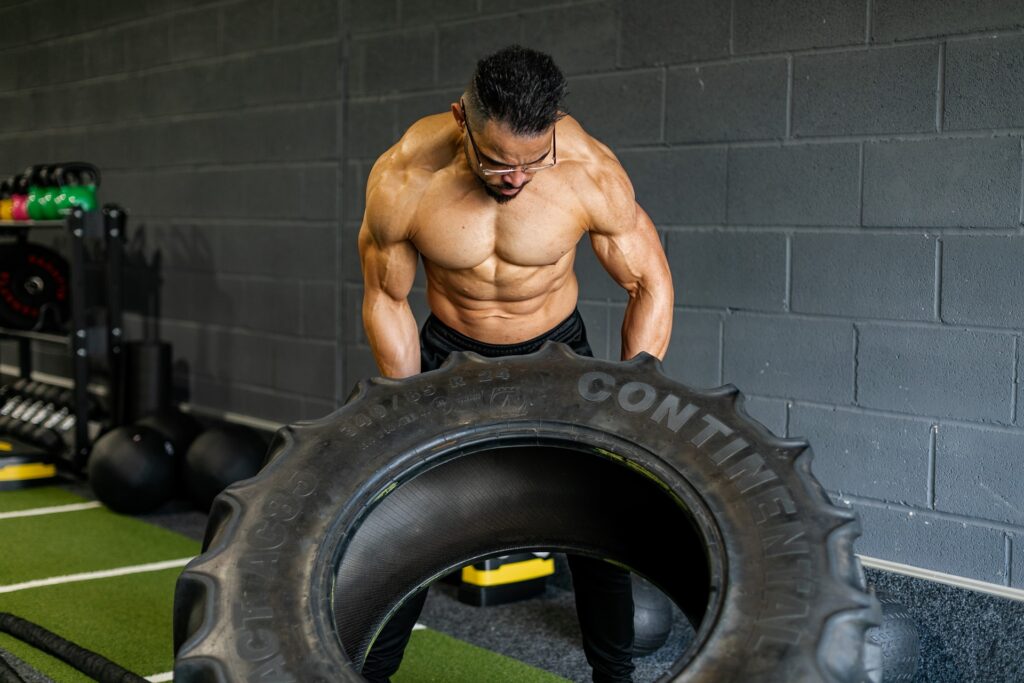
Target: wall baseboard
column 939, row 577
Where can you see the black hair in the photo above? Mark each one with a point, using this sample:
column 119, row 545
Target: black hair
column 520, row 87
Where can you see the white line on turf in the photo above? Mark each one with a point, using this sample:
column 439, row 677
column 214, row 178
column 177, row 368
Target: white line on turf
column 167, row 676
column 102, row 574
column 52, row 510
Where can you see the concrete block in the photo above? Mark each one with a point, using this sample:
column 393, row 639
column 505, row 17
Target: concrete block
column 679, row 186
column 354, row 179
column 411, row 108
column 359, row 364
column 694, row 351
column 803, row 185
column 14, row 26
column 319, row 193
column 461, row 45
column 319, row 310
column 581, row 39
column 770, row 412
column 370, row 128
column 791, row 358
column 616, row 316
column 641, row 123
column 419, row 12
column 943, row 183
column 377, row 66
column 300, row 251
column 984, row 83
column 667, row 31
column 929, row 542
column 273, row 305
column 862, row 92
column 304, row 367
column 903, row 19
column 105, row 53
column 739, row 270
column 874, row 456
column 972, row 465
column 55, row 18
column 595, row 318
column 148, row 44
column 218, row 299
column 321, row 71
column 299, row 134
column 745, row 101
column 195, row 35
column 237, row 356
column 313, row 20
column 248, row 26
column 864, row 275
column 18, row 113
column 34, row 66
column 775, row 25
column 982, row 280
column 351, row 312
column 595, row 282
column 314, row 409
column 361, row 16
column 936, row 372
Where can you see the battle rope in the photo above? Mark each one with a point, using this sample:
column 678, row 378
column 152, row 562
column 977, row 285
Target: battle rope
column 88, row 662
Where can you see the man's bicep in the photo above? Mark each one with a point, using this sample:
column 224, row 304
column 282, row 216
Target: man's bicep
column 389, row 267
column 630, row 249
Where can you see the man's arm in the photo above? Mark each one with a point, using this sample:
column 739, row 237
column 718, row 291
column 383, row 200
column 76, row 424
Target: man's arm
column 389, row 267
column 627, row 245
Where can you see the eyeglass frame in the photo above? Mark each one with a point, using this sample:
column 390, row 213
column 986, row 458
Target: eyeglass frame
column 512, row 169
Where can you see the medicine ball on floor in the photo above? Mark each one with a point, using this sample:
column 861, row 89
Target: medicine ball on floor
column 131, row 469
column 181, row 429
column 221, row 456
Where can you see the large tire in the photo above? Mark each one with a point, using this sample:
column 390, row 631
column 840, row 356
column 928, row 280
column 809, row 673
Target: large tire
column 413, row 478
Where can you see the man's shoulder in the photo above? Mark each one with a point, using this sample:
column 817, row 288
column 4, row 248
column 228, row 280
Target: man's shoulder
column 597, row 175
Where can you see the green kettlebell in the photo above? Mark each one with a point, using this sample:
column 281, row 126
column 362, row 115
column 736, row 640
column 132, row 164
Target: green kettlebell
column 41, row 191
column 78, row 182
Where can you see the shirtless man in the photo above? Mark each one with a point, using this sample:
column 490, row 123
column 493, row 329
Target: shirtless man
column 495, row 198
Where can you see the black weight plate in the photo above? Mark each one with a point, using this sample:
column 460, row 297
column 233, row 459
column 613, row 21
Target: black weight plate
column 34, row 287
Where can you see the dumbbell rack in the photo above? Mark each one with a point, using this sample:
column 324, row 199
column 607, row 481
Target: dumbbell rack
column 80, row 226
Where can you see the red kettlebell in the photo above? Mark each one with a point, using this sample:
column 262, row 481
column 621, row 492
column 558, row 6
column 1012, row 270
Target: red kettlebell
column 19, row 198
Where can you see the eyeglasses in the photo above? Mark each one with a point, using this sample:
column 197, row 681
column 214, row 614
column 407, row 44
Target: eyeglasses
column 493, row 167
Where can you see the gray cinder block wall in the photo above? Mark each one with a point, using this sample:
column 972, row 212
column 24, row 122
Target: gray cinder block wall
column 838, row 184
column 839, row 188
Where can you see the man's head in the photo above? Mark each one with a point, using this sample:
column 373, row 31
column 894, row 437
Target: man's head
column 509, row 112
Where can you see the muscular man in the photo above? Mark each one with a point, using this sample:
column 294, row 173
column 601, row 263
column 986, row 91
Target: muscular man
column 495, row 197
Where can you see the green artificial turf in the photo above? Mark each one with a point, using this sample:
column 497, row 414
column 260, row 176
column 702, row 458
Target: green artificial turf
column 126, row 619
column 89, row 540
column 434, row 657
column 44, row 496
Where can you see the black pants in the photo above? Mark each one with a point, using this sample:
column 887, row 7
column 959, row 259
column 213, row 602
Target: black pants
column 604, row 594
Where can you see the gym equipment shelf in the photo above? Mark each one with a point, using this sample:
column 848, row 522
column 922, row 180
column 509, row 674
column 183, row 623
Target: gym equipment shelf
column 80, row 225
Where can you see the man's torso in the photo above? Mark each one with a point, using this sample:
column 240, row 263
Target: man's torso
column 496, row 272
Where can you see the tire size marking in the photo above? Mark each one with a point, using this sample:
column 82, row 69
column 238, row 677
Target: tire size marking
column 786, row 552
column 377, row 421
column 256, row 640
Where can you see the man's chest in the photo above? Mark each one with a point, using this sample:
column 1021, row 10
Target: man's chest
column 462, row 232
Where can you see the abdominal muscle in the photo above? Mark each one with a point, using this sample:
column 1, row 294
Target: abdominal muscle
column 508, row 310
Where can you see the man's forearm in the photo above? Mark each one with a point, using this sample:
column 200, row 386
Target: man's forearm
column 647, row 325
column 394, row 339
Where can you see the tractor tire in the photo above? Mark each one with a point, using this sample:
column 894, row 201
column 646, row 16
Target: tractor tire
column 410, row 479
